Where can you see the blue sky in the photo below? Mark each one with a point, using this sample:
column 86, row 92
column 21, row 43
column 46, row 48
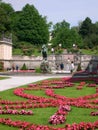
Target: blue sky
column 72, row 11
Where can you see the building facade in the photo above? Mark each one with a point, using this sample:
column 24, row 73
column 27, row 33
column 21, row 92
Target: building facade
column 5, row 49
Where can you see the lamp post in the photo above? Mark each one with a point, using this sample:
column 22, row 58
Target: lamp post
column 80, row 56
column 74, row 52
column 52, row 50
column 74, row 45
column 60, row 45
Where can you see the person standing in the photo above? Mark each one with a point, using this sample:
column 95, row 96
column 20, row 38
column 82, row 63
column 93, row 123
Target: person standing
column 90, row 68
column 13, row 67
column 68, row 64
column 62, row 66
column 72, row 66
column 17, row 67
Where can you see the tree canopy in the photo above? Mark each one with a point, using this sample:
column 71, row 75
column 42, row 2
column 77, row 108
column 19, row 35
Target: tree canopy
column 6, row 11
column 62, row 33
column 89, row 33
column 29, row 28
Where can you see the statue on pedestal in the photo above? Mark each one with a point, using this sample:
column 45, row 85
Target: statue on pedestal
column 45, row 64
column 44, row 52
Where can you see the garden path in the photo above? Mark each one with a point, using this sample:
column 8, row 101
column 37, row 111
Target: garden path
column 16, row 81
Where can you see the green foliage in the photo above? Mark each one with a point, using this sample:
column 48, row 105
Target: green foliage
column 66, row 36
column 89, row 33
column 60, row 51
column 30, row 26
column 41, row 115
column 79, row 67
column 38, row 70
column 25, row 48
column 24, row 67
column 72, row 50
column 1, row 66
column 6, row 11
column 85, row 28
column 2, row 78
column 17, row 52
column 93, row 51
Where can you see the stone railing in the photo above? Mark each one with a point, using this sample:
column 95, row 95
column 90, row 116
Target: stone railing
column 4, row 39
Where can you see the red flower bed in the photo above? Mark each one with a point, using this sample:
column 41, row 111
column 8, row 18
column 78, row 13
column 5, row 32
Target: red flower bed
column 26, row 71
column 91, row 85
column 62, row 102
column 59, row 116
column 94, row 113
column 16, row 112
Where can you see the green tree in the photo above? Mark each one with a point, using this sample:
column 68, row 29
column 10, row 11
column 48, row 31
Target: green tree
column 63, row 34
column 6, row 11
column 58, row 26
column 89, row 33
column 86, row 28
column 30, row 26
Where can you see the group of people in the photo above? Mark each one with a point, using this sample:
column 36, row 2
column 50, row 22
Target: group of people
column 69, row 66
column 13, row 68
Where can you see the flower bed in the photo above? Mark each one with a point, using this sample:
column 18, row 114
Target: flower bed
column 16, row 112
column 24, row 71
column 94, row 113
column 59, row 116
column 63, row 103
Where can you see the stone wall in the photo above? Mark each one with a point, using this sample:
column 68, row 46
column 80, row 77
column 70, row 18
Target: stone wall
column 32, row 61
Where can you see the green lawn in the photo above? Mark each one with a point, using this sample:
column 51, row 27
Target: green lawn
column 1, row 78
column 89, row 51
column 41, row 115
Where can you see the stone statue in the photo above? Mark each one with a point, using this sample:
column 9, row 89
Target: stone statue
column 45, row 67
column 44, row 64
column 44, row 52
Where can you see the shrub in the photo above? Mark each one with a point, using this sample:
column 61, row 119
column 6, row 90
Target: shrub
column 38, row 70
column 24, row 67
column 1, row 65
column 79, row 67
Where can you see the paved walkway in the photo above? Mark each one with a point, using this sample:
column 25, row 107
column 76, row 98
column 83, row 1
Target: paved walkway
column 16, row 81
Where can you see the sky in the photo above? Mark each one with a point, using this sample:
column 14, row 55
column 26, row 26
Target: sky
column 72, row 11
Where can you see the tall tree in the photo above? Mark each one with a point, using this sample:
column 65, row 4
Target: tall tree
column 30, row 26
column 89, row 33
column 85, row 29
column 6, row 11
column 59, row 26
column 63, row 34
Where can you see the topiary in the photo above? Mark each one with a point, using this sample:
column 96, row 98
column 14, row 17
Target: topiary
column 79, row 67
column 24, row 67
column 1, row 65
